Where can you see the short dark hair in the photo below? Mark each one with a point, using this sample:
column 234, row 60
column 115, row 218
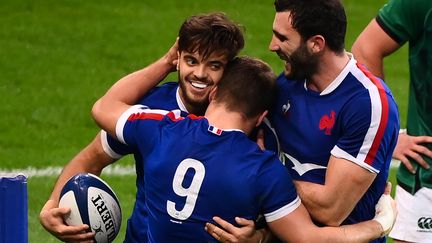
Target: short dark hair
column 248, row 86
column 317, row 17
column 211, row 33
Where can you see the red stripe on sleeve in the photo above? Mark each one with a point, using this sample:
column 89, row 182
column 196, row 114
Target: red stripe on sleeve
column 384, row 114
column 145, row 116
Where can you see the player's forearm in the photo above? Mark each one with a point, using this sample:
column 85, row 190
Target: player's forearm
column 362, row 232
column 132, row 87
column 92, row 159
column 323, row 206
column 127, row 92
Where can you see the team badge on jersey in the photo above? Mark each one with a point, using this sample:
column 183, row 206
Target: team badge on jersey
column 327, row 122
column 286, row 107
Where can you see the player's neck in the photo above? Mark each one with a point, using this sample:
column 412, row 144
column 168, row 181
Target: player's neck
column 331, row 65
column 218, row 116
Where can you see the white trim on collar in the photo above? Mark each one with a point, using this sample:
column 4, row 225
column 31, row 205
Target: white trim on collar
column 179, row 101
column 338, row 80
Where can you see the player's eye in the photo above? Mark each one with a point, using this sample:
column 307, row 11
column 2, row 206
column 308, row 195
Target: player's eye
column 216, row 66
column 190, row 61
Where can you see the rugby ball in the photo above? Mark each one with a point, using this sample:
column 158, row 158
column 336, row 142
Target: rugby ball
column 92, row 202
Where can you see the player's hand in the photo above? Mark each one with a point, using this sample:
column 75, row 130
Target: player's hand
column 51, row 218
column 171, row 57
column 231, row 233
column 411, row 147
column 385, row 211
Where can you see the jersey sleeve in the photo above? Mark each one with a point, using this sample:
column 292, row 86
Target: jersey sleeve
column 138, row 127
column 113, row 147
column 276, row 191
column 402, row 20
column 370, row 127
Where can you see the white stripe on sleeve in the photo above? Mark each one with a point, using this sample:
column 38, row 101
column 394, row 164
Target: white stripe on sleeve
column 283, row 211
column 107, row 148
column 124, row 117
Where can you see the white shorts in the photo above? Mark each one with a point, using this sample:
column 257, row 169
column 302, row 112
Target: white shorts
column 414, row 219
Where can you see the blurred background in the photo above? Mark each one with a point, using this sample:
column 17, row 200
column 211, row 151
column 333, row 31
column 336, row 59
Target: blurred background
column 58, row 57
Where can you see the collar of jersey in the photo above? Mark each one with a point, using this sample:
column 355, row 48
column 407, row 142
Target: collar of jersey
column 224, row 130
column 338, row 80
column 179, row 101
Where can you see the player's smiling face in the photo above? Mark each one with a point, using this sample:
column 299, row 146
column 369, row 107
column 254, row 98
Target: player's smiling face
column 288, row 45
column 197, row 76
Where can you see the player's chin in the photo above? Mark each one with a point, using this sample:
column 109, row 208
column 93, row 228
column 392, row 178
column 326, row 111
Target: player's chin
column 198, row 95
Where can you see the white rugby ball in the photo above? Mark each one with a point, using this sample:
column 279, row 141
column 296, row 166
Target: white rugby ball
column 92, row 202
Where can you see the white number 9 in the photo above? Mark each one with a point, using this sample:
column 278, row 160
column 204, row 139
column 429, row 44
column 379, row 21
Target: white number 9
column 191, row 193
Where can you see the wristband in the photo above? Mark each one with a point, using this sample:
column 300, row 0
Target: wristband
column 384, row 214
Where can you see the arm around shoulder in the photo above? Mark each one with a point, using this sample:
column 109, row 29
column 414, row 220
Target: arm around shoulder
column 332, row 202
column 129, row 89
column 298, row 227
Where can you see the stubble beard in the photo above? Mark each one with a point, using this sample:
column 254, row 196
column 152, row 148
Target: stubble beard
column 301, row 64
column 194, row 105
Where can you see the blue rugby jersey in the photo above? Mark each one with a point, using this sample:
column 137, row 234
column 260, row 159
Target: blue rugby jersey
column 194, row 171
column 354, row 118
column 164, row 97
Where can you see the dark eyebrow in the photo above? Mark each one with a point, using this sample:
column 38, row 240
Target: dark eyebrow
column 217, row 62
column 279, row 35
column 190, row 56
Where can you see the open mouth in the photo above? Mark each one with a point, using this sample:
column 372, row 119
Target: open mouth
column 198, row 85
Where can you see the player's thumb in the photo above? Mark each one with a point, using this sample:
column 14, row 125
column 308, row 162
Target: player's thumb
column 388, row 188
column 244, row 222
column 61, row 211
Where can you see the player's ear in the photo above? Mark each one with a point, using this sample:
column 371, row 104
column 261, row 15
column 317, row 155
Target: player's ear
column 178, row 60
column 315, row 44
column 261, row 118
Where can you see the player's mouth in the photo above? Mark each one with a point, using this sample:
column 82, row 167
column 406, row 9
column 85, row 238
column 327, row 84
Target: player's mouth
column 287, row 62
column 198, row 85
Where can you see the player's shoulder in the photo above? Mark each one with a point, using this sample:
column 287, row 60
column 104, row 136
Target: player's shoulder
column 373, row 87
column 170, row 84
column 253, row 152
column 283, row 81
column 166, row 87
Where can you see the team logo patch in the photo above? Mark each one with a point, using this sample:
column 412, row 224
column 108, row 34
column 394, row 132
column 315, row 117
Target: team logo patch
column 327, row 122
column 425, row 224
column 286, row 107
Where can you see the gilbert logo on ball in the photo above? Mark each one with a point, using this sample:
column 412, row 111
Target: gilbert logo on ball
column 92, row 202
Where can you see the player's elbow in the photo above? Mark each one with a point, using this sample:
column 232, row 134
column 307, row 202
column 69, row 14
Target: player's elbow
column 362, row 51
column 97, row 111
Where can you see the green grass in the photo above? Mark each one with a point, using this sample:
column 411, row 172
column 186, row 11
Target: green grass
column 58, row 57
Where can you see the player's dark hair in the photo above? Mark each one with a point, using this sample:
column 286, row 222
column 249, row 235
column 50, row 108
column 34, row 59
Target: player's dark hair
column 248, row 86
column 211, row 33
column 317, row 17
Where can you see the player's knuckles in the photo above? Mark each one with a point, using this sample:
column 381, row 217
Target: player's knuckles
column 418, row 158
column 423, row 150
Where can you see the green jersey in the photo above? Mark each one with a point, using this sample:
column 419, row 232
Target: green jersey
column 411, row 21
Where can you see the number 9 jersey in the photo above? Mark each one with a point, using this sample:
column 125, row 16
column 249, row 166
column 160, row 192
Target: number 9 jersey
column 194, row 171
